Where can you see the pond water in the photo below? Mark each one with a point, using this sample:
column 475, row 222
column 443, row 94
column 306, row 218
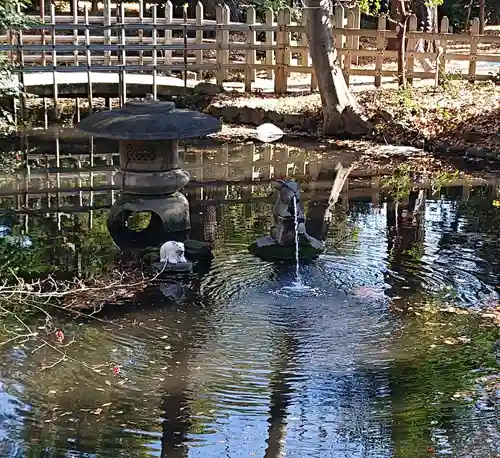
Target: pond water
column 372, row 361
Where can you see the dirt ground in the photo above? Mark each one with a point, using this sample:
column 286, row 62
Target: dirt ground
column 458, row 114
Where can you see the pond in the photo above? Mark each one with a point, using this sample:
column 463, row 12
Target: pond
column 381, row 357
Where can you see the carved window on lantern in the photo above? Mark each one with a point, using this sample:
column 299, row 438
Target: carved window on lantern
column 139, row 152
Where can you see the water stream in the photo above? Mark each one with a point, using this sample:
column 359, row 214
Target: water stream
column 230, row 369
column 298, row 279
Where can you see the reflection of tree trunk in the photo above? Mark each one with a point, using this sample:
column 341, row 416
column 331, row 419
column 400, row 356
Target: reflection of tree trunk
column 410, row 431
column 405, row 225
column 176, row 425
column 197, row 219
column 320, row 204
column 210, row 223
column 178, row 395
column 280, row 398
column 176, row 403
column 203, row 221
column 427, row 22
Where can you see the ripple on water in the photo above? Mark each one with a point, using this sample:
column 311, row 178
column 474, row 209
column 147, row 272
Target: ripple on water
column 326, row 365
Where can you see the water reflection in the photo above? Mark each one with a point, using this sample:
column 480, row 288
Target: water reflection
column 238, row 368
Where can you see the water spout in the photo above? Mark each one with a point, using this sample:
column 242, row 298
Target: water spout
column 298, row 278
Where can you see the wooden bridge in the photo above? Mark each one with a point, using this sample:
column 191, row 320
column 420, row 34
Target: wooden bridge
column 75, row 84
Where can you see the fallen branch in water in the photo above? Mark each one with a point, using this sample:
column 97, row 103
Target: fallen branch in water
column 73, row 296
column 91, row 293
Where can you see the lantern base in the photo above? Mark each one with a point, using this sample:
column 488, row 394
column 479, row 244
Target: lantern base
column 168, row 220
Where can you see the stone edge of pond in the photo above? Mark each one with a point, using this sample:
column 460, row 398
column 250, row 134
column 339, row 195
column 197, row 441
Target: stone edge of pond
column 245, row 115
column 306, row 125
column 239, row 122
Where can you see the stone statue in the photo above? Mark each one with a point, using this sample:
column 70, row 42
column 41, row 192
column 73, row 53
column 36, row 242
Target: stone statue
column 283, row 229
column 172, row 258
column 172, row 253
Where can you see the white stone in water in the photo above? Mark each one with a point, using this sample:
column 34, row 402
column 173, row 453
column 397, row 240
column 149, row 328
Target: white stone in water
column 172, row 253
column 268, row 132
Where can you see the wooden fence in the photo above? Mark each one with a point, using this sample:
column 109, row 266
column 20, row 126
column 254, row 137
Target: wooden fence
column 277, row 47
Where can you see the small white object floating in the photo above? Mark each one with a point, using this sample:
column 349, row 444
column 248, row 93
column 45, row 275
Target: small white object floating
column 268, row 133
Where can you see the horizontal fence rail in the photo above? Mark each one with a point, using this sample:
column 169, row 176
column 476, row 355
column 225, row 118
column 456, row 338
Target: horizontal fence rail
column 273, row 49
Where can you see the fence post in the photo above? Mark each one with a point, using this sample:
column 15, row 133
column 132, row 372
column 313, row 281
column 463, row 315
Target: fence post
column 281, row 158
column 107, row 29
column 54, row 58
column 474, row 39
column 445, row 25
column 410, row 49
column 282, row 52
column 269, row 42
column 10, row 41
column 307, row 56
column 339, row 38
column 381, row 28
column 155, row 51
column 219, row 40
column 267, row 152
column 303, row 57
column 355, row 39
column 123, row 82
column 75, row 31
column 375, row 185
column 20, row 62
column 75, row 54
column 42, row 32
column 225, row 38
column 169, row 14
column 351, row 24
column 349, row 39
column 250, row 54
column 140, row 32
column 88, row 59
column 199, row 36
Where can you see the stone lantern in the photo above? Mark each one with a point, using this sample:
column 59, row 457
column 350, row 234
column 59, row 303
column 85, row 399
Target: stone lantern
column 150, row 175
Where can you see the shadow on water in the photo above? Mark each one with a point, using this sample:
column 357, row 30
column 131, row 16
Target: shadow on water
column 232, row 364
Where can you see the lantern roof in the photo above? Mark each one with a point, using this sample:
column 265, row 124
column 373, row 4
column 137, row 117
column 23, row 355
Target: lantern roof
column 149, row 120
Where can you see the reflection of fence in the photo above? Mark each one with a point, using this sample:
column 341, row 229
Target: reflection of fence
column 64, row 182
column 278, row 47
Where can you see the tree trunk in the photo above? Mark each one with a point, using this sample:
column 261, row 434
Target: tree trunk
column 340, row 109
column 402, row 53
column 94, row 7
column 395, row 14
column 427, row 22
column 482, row 8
